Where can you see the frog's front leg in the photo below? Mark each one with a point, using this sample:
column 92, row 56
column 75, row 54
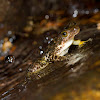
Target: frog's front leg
column 81, row 43
column 60, row 56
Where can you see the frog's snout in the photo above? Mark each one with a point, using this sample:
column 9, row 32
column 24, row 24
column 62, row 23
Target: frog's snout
column 76, row 30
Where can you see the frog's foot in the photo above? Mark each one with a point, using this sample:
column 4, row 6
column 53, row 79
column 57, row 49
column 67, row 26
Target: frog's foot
column 81, row 43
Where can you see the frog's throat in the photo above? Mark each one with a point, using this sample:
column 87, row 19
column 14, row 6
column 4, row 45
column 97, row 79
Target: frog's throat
column 64, row 49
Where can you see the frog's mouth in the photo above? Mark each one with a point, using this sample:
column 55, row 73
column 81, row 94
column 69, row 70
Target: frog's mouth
column 64, row 48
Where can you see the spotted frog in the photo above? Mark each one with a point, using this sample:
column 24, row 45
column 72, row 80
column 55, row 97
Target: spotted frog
column 57, row 48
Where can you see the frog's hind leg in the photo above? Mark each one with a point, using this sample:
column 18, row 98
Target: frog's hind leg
column 81, row 43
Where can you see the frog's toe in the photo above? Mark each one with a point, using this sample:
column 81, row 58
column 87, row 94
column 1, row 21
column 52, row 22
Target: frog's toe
column 82, row 43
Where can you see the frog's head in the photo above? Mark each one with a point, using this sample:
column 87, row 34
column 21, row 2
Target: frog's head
column 66, row 38
column 70, row 32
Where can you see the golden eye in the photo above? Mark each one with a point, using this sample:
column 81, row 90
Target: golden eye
column 64, row 34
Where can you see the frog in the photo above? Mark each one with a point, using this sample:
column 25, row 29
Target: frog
column 58, row 48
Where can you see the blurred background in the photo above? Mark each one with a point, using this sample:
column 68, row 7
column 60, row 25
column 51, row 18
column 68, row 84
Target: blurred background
column 27, row 27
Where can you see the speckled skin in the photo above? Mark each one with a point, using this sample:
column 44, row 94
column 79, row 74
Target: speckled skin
column 56, row 48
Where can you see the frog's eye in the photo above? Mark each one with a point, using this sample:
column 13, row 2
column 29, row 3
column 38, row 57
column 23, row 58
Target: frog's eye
column 64, row 34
